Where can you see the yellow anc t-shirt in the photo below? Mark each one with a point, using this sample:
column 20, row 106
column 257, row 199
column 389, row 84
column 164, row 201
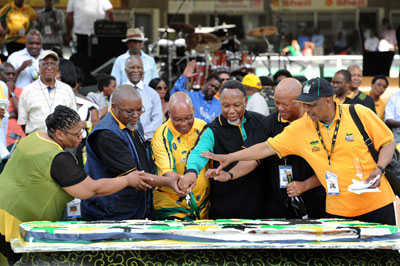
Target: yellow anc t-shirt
column 17, row 20
column 170, row 149
column 301, row 138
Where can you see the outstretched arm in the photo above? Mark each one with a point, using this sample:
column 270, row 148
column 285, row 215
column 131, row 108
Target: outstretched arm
column 255, row 152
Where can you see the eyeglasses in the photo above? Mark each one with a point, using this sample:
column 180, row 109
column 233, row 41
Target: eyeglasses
column 187, row 119
column 132, row 112
column 78, row 135
column 48, row 64
column 162, row 88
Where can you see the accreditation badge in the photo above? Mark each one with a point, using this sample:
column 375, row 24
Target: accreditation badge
column 74, row 209
column 47, row 30
column 285, row 173
column 332, row 183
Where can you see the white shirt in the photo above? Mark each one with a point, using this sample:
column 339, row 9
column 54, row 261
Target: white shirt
column 36, row 103
column 151, row 119
column 257, row 103
column 392, row 111
column 30, row 73
column 86, row 12
column 149, row 68
column 4, row 121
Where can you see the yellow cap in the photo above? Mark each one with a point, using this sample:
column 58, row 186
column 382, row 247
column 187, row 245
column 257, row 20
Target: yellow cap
column 252, row 80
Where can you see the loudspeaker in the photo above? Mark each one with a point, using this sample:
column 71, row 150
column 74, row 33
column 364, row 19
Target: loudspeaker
column 103, row 48
column 377, row 63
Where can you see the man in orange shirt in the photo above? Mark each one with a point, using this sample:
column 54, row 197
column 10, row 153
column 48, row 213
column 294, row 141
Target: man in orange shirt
column 329, row 140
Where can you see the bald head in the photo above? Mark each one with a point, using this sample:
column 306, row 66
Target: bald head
column 181, row 112
column 289, row 88
column 124, row 92
column 286, row 91
column 180, row 99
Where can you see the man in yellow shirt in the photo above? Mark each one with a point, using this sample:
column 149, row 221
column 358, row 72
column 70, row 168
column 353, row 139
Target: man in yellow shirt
column 329, row 140
column 378, row 87
column 171, row 144
column 18, row 19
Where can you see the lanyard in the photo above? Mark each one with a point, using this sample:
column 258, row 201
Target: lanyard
column 334, row 136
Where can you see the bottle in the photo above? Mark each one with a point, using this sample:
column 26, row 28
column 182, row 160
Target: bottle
column 296, row 206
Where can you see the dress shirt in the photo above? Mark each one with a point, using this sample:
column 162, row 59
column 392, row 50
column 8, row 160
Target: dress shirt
column 203, row 109
column 149, row 68
column 86, row 12
column 30, row 73
column 36, row 103
column 151, row 119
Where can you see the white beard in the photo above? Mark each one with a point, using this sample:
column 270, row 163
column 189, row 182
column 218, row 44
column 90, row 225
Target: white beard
column 132, row 127
column 233, row 122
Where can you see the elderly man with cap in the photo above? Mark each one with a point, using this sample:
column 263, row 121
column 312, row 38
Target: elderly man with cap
column 40, row 98
column 171, row 144
column 329, row 140
column 134, row 41
column 255, row 101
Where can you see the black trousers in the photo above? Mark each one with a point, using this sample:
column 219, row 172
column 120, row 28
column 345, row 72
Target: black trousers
column 384, row 215
column 82, row 43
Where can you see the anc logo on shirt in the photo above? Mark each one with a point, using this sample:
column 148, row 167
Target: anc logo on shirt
column 314, row 146
column 349, row 137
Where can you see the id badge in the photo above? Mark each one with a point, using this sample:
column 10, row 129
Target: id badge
column 285, row 173
column 47, row 30
column 74, row 209
column 21, row 32
column 332, row 183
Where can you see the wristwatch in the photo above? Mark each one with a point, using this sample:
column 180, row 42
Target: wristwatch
column 13, row 94
column 381, row 168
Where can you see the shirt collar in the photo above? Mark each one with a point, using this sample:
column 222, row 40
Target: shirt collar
column 44, row 86
column 176, row 132
column 281, row 120
column 139, row 85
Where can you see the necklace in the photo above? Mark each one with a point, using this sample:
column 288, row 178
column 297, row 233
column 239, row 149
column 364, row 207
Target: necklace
column 48, row 98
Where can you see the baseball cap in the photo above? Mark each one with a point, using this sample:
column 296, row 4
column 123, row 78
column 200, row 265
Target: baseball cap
column 313, row 89
column 47, row 53
column 252, row 80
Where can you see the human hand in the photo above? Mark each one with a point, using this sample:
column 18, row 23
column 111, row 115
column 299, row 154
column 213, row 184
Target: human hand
column 188, row 182
column 223, row 159
column 25, row 64
column 222, row 176
column 372, row 176
column 173, row 179
column 138, row 180
column 189, row 70
column 295, row 188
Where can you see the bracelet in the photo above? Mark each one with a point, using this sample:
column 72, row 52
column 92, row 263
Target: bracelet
column 381, row 168
column 230, row 175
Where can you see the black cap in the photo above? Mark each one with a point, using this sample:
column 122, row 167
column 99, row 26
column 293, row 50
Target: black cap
column 314, row 89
